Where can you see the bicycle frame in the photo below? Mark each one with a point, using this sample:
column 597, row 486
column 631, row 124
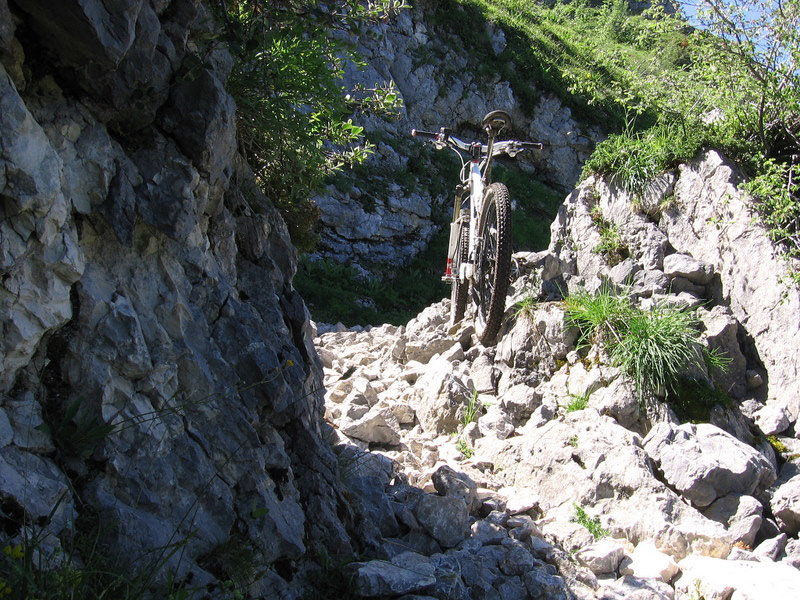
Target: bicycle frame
column 475, row 175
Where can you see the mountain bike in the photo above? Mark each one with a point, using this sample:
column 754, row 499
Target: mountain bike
column 479, row 251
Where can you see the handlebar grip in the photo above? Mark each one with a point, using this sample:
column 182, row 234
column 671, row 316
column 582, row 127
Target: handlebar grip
column 424, row 134
column 533, row 145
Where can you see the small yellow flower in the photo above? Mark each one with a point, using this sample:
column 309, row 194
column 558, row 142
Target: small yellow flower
column 14, row 551
column 290, row 363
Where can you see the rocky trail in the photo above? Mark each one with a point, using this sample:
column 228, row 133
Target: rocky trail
column 530, row 469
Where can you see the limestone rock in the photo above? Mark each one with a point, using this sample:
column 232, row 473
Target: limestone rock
column 785, row 500
column 445, row 518
column 630, row 587
column 704, row 463
column 604, row 556
column 715, row 578
column 683, row 265
column 440, row 398
column 740, row 514
column 773, row 419
column 648, row 562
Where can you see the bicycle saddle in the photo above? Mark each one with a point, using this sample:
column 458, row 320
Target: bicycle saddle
column 496, row 121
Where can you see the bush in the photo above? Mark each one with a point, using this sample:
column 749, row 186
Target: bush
column 656, row 348
column 293, row 116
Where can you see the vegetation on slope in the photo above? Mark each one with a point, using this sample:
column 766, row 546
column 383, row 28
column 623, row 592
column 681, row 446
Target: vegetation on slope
column 662, row 88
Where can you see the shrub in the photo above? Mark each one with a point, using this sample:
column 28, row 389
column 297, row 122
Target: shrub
column 293, row 117
column 655, row 347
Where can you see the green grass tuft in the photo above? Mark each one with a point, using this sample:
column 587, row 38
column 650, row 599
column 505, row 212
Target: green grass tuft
column 592, row 524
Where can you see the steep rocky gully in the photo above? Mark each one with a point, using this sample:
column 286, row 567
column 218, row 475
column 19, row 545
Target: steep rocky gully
column 146, row 285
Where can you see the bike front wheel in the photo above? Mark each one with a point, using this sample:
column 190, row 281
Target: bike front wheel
column 493, row 264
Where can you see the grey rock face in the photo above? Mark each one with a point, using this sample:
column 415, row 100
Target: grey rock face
column 129, row 284
column 704, row 463
column 743, row 257
column 39, row 253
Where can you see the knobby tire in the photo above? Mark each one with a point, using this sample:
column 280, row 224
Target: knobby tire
column 493, row 266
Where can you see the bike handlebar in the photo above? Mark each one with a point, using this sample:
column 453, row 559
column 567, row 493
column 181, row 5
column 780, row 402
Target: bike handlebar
column 443, row 138
column 425, row 134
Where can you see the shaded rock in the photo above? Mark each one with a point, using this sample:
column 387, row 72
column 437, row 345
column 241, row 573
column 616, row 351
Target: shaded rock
column 20, row 474
column 458, row 485
column 406, row 573
column 445, row 518
column 545, row 586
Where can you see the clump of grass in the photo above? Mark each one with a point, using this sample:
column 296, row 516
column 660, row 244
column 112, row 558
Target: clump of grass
column 655, row 347
column 577, row 402
column 527, row 306
column 573, row 441
column 635, row 158
column 592, row 524
column 611, row 246
column 465, row 449
column 597, row 316
column 777, row 445
column 471, row 411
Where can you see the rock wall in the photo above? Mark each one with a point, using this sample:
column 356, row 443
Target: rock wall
column 693, row 233
column 385, row 221
column 146, row 285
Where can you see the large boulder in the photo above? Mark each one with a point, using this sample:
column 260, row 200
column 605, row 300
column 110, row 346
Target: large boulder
column 736, row 579
column 703, row 463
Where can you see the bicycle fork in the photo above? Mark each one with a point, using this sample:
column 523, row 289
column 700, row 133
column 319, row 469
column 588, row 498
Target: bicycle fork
column 465, row 268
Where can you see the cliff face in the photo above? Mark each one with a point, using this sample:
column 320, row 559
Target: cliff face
column 146, row 282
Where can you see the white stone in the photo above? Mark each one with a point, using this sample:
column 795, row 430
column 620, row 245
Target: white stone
column 717, row 579
column 648, row 562
column 603, row 556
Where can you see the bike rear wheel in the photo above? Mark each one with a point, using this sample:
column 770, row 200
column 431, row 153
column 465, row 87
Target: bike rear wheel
column 459, row 291
column 493, row 265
